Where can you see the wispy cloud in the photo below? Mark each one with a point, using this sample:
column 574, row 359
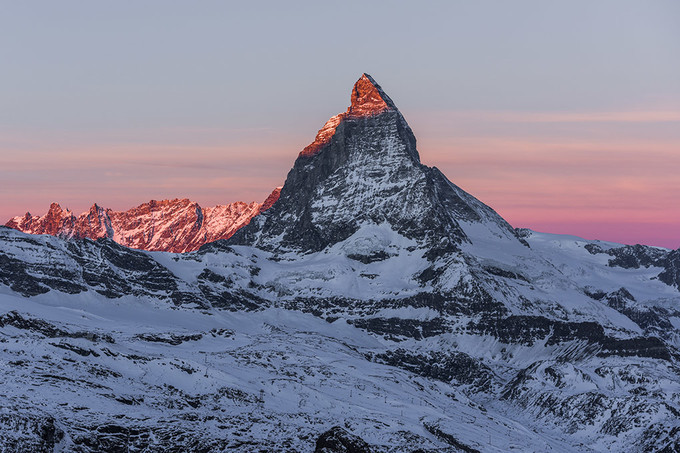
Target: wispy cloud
column 633, row 116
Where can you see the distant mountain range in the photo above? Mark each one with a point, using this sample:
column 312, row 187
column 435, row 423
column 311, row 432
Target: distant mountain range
column 178, row 225
column 373, row 307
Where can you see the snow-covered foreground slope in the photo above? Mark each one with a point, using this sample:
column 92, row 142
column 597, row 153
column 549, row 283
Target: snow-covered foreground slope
column 80, row 375
column 329, row 340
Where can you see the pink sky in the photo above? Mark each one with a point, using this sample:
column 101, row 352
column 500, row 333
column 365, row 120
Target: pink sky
column 587, row 174
column 599, row 175
column 562, row 116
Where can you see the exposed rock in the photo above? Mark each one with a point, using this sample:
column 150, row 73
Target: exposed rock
column 635, row 256
column 456, row 367
column 396, row 328
column 28, row 432
column 172, row 339
column 449, row 439
column 76, row 266
column 671, row 274
column 339, row 440
column 653, row 320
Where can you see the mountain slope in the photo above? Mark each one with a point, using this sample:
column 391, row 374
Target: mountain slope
column 178, row 225
column 375, row 295
column 168, row 380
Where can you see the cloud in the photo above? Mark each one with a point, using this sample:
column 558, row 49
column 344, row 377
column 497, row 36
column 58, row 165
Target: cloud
column 633, row 116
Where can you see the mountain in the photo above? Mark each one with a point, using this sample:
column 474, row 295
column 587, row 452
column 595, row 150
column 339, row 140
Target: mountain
column 178, row 225
column 374, row 307
column 363, row 169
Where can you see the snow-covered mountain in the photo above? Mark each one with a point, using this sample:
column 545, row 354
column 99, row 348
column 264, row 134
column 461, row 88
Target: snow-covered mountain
column 375, row 306
column 363, row 169
column 178, row 225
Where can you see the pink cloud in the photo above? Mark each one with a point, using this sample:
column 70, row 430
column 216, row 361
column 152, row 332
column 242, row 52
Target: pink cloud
column 635, row 116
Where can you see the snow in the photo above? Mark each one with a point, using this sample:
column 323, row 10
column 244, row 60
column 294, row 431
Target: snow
column 290, row 371
column 675, row 321
column 296, row 374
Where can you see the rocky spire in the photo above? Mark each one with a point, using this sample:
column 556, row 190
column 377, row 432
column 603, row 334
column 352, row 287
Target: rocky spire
column 363, row 169
column 367, row 99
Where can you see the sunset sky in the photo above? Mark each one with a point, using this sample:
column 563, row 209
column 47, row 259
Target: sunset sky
column 563, row 117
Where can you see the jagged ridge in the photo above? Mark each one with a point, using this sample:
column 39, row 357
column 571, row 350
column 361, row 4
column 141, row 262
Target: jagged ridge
column 178, row 225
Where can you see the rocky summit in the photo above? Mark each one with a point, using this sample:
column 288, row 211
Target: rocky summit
column 362, row 170
column 375, row 307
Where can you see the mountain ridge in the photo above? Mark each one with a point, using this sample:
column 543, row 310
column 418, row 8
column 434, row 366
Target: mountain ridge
column 178, row 225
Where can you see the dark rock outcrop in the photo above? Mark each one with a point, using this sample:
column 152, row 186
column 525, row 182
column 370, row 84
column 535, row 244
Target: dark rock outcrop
column 339, row 440
column 28, row 432
column 671, row 273
column 529, row 329
column 450, row 367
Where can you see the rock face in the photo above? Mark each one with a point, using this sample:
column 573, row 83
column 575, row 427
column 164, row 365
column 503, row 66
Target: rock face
column 363, row 169
column 641, row 256
column 374, row 306
column 338, row 440
column 178, row 225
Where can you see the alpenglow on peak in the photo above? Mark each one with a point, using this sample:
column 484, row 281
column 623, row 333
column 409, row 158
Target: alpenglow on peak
column 367, row 99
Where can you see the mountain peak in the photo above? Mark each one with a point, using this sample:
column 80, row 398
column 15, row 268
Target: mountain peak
column 55, row 208
column 368, row 98
column 363, row 170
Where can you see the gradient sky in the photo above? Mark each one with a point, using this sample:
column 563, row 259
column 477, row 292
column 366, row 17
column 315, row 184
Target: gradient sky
column 564, row 117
